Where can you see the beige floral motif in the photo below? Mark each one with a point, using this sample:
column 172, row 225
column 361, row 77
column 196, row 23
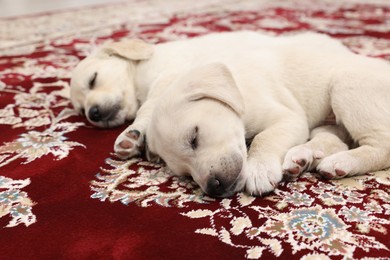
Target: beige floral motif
column 315, row 257
column 142, row 186
column 34, row 99
column 382, row 177
column 28, row 113
column 33, row 145
column 240, row 225
column 7, row 112
column 293, row 198
column 10, row 120
column 16, row 203
column 358, row 182
column 254, row 252
column 31, row 110
column 245, row 199
column 305, row 227
column 336, row 194
column 316, row 229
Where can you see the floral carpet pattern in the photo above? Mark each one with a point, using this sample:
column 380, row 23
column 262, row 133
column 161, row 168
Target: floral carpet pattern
column 15, row 203
column 63, row 194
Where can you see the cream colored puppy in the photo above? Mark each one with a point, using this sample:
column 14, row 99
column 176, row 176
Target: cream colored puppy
column 273, row 94
column 111, row 84
column 104, row 86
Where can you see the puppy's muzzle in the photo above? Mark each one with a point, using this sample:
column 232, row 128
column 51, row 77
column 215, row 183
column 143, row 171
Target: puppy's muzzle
column 97, row 114
column 219, row 188
column 223, row 183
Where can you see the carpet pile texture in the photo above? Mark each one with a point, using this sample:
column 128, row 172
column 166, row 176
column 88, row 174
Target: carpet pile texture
column 64, row 195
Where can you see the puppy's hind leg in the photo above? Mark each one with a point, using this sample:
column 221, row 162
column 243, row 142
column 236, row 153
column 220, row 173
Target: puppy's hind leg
column 324, row 141
column 360, row 101
column 366, row 158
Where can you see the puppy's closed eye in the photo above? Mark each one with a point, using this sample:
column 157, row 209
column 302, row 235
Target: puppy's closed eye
column 194, row 138
column 92, row 81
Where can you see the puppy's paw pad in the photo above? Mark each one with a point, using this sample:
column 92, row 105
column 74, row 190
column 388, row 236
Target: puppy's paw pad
column 336, row 174
column 133, row 134
column 327, row 175
column 337, row 166
column 293, row 171
column 299, row 159
column 129, row 144
column 126, row 144
column 340, row 173
column 301, row 162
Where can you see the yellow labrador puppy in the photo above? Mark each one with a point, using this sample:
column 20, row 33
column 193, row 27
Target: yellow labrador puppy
column 111, row 84
column 104, row 86
column 273, row 94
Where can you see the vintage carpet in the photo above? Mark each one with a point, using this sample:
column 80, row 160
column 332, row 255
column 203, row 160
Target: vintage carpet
column 64, row 195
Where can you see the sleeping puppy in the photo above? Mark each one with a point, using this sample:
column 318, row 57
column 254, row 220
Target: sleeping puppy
column 274, row 95
column 113, row 83
column 103, row 86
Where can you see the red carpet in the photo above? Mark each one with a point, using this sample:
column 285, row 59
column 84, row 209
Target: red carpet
column 63, row 194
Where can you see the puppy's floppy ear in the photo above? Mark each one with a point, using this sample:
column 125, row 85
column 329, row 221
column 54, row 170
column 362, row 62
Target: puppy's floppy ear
column 133, row 49
column 215, row 81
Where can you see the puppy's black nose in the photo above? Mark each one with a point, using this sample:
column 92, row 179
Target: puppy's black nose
column 215, row 187
column 94, row 114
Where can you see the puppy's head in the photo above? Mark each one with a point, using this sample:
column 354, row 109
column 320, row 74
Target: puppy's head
column 102, row 85
column 196, row 128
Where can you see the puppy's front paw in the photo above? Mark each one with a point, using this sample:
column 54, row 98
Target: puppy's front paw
column 298, row 160
column 129, row 144
column 262, row 178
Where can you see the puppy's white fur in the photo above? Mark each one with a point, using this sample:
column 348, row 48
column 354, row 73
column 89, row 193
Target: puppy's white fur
column 127, row 70
column 202, row 97
column 106, row 81
column 288, row 85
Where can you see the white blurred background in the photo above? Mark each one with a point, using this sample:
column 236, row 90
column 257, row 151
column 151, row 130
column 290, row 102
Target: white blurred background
column 12, row 8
